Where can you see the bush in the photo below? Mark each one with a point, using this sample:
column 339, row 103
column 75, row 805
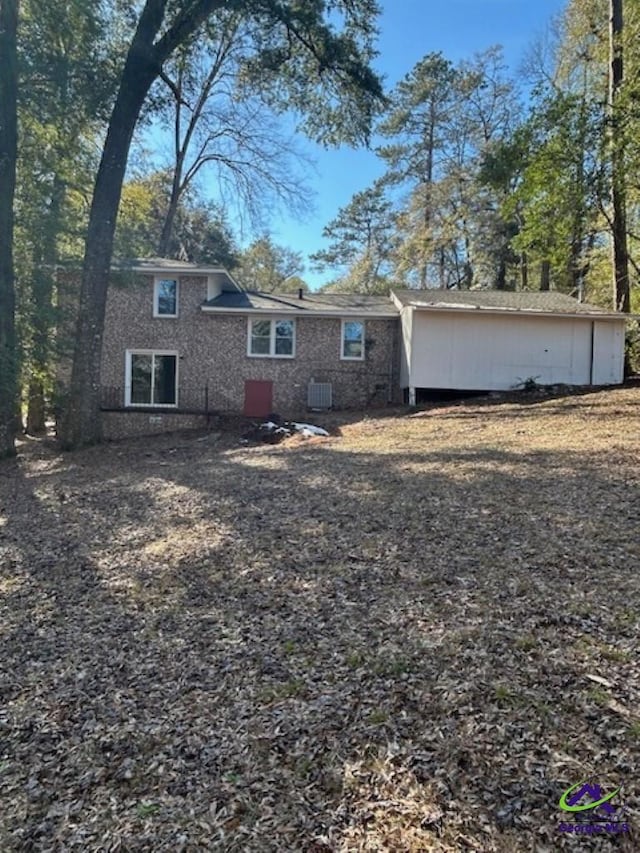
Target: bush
column 632, row 349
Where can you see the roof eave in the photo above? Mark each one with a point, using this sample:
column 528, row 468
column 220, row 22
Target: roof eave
column 529, row 312
column 397, row 302
column 161, row 268
column 298, row 312
column 177, row 271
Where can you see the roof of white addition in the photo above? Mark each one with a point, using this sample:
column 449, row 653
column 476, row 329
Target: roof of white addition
column 548, row 302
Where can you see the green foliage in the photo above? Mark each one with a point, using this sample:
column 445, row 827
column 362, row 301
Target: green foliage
column 634, row 730
column 378, row 717
column 526, row 643
column 419, row 120
column 502, row 693
column 556, row 200
column 266, row 266
column 632, row 348
column 200, row 232
column 144, row 810
column 70, row 54
column 314, row 60
column 361, row 239
column 599, row 697
column 528, row 385
column 291, row 689
column 68, row 62
column 449, row 227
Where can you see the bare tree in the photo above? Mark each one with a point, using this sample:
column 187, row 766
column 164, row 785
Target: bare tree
column 217, row 124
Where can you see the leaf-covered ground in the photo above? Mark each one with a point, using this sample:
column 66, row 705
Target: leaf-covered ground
column 411, row 636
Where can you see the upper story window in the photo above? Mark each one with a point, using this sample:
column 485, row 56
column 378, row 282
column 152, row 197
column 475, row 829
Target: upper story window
column 275, row 338
column 165, row 297
column 352, row 341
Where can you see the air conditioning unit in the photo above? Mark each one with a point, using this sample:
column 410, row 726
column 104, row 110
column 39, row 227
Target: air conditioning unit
column 319, row 395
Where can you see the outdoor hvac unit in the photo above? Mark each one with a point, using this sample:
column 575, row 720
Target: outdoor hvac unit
column 319, row 395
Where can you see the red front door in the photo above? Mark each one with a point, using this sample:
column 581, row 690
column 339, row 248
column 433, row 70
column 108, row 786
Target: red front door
column 258, row 398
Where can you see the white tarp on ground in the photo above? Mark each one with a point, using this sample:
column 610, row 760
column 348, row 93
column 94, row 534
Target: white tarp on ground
column 308, row 430
column 273, row 433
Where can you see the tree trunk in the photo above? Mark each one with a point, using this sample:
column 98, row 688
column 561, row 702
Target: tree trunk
column 545, row 275
column 442, row 268
column 36, row 409
column 181, row 145
column 8, row 157
column 81, row 421
column 620, row 253
column 524, row 271
column 575, row 264
column 428, row 201
column 577, row 254
column 45, row 258
column 468, row 265
column 468, row 275
column 170, row 216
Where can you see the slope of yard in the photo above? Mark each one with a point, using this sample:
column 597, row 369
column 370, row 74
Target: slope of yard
column 412, row 636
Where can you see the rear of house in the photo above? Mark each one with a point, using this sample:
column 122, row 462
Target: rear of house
column 184, row 341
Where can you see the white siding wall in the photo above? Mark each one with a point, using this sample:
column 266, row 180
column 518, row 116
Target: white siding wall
column 495, row 352
column 406, row 319
column 608, row 352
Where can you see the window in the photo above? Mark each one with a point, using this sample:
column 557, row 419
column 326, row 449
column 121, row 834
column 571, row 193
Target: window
column 151, row 379
column 165, row 297
column 271, row 338
column 352, row 346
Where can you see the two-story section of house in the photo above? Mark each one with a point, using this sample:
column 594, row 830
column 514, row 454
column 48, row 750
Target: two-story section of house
column 184, row 341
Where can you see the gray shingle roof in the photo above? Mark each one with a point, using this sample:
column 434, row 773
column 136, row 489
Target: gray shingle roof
column 547, row 302
column 311, row 303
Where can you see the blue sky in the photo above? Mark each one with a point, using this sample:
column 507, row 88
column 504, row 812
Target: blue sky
column 409, row 30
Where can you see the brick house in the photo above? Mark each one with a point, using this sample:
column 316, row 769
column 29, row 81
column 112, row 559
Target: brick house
column 183, row 341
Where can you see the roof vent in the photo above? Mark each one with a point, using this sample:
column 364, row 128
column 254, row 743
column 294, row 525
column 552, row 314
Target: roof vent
column 300, row 293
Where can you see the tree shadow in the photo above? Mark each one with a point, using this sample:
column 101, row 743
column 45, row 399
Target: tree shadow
column 327, row 644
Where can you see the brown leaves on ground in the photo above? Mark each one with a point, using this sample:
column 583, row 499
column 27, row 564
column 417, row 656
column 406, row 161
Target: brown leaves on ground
column 414, row 636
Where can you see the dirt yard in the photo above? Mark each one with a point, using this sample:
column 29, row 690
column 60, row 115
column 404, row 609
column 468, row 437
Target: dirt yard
column 412, row 636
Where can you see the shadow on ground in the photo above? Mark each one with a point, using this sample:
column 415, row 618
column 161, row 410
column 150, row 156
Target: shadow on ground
column 315, row 647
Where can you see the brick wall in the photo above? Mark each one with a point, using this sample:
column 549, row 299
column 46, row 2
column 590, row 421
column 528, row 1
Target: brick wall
column 212, row 351
column 127, row 424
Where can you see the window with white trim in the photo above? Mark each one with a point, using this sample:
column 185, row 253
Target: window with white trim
column 352, row 340
column 151, row 378
column 275, row 338
column 165, row 297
